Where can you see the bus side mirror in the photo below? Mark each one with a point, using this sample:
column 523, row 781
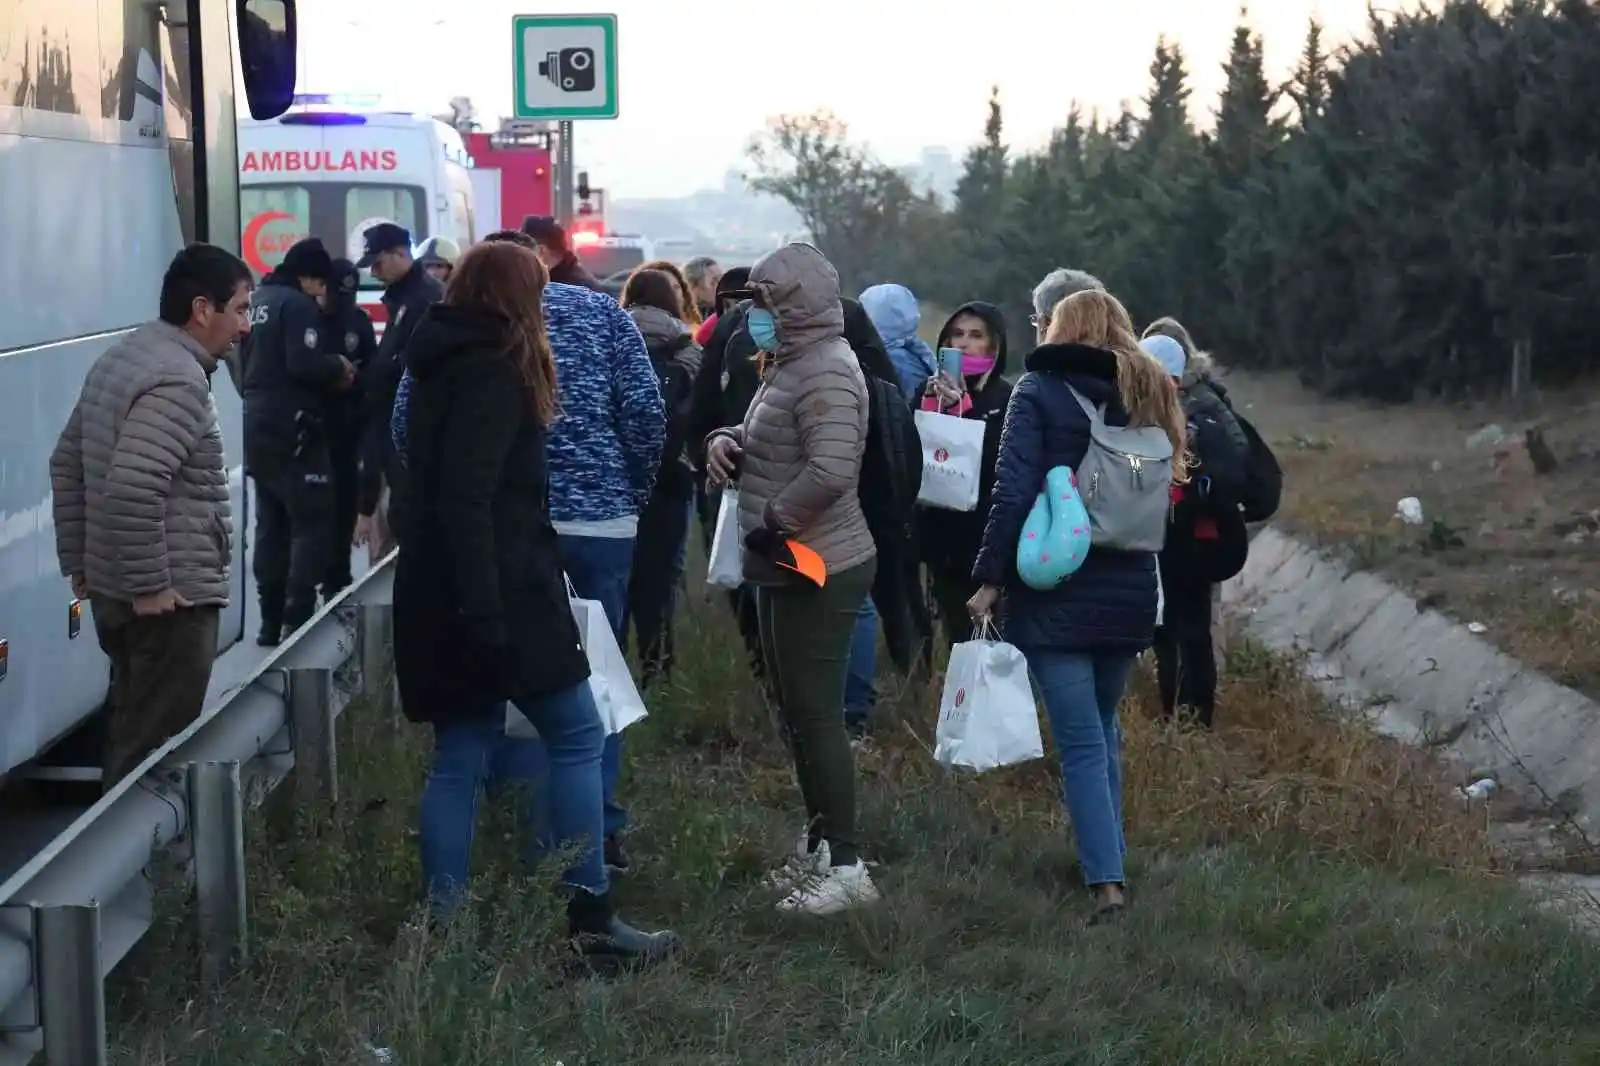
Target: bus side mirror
column 268, row 41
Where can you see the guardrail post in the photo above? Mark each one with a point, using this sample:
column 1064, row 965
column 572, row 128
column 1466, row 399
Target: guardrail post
column 71, row 990
column 375, row 622
column 316, row 767
column 216, row 832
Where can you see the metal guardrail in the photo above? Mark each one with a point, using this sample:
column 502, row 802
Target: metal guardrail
column 76, row 909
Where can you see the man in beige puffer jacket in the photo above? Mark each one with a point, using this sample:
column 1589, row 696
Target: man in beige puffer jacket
column 797, row 459
column 140, row 486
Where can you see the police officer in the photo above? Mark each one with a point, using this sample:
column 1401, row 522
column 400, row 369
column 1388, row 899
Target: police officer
column 411, row 291
column 289, row 373
column 348, row 331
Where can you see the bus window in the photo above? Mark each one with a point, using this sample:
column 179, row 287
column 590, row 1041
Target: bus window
column 267, row 46
column 177, row 114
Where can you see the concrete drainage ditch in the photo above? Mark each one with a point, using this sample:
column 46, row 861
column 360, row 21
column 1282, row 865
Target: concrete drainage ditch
column 1424, row 678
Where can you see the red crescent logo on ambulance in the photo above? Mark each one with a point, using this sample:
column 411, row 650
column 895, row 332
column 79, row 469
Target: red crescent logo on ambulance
column 250, row 239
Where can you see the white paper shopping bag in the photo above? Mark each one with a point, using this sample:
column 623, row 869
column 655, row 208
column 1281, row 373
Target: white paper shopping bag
column 952, row 460
column 616, row 697
column 615, row 694
column 987, row 717
column 726, row 567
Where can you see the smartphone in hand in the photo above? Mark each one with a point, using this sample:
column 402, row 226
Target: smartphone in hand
column 950, row 365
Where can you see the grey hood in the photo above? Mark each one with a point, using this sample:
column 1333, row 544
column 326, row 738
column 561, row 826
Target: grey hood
column 656, row 325
column 801, row 289
column 661, row 331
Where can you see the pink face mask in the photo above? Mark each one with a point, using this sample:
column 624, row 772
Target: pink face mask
column 976, row 365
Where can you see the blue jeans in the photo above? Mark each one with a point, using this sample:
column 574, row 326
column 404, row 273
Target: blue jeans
column 1081, row 692
column 468, row 752
column 859, row 691
column 599, row 568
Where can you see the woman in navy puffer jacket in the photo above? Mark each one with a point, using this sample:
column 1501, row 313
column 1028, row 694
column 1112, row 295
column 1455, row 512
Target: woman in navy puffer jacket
column 1081, row 637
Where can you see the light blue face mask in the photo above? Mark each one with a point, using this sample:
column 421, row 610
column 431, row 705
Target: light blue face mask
column 763, row 328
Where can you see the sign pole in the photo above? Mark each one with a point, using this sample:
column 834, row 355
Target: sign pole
column 564, row 178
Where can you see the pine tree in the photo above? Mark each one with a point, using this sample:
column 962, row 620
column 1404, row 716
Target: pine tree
column 1308, row 88
column 1167, row 102
column 1246, row 131
column 981, row 189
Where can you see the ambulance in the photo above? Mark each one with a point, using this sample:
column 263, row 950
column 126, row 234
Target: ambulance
column 329, row 168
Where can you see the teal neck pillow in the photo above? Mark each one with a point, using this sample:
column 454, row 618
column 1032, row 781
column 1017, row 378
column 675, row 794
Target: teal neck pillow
column 1055, row 538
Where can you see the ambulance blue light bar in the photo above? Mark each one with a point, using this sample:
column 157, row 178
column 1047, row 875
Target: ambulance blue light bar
column 351, row 100
column 322, row 118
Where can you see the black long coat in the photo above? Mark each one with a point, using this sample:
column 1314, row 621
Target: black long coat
column 481, row 608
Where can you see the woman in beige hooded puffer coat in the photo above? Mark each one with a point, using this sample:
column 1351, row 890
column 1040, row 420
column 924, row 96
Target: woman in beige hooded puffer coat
column 797, row 461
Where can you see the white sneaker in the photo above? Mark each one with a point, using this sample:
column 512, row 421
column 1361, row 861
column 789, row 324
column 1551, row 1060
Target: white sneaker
column 800, row 865
column 836, row 889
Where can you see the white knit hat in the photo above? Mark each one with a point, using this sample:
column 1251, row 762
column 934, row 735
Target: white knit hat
column 1166, row 351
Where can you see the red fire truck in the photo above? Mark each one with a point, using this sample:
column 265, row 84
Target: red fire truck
column 521, row 153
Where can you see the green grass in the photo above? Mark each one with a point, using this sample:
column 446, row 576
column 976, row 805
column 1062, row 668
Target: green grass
column 1302, row 893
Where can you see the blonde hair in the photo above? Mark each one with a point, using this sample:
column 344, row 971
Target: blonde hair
column 1095, row 318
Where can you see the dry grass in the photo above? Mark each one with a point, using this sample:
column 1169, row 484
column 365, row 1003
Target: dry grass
column 1304, row 893
column 1281, row 773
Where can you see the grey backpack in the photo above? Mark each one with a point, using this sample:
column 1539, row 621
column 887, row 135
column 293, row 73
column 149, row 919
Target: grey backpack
column 1125, row 480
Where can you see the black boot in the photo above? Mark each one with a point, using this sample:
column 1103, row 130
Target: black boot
column 617, row 862
column 604, row 938
column 271, row 598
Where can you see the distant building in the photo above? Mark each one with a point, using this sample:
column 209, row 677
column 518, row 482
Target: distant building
column 937, row 171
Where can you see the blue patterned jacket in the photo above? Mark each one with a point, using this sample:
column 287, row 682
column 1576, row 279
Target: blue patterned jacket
column 605, row 446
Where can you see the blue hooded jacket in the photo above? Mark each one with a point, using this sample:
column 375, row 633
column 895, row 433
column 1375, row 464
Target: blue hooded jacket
column 893, row 310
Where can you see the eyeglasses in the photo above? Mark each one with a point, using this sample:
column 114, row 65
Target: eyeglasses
column 1039, row 321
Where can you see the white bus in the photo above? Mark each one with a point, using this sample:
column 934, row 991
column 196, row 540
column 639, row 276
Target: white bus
column 329, row 170
column 117, row 147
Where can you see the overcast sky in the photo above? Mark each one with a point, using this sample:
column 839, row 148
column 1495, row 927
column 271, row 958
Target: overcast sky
column 699, row 77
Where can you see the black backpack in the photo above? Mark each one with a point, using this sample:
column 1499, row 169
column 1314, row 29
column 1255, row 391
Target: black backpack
column 677, row 394
column 1222, row 462
column 891, row 477
column 891, row 467
column 1263, row 478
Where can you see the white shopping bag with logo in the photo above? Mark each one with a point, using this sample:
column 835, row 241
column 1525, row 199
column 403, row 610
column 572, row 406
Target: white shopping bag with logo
column 987, row 717
column 726, row 567
column 616, row 697
column 952, row 460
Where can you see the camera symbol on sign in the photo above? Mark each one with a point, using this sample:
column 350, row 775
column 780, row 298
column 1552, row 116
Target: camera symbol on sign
column 571, row 69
